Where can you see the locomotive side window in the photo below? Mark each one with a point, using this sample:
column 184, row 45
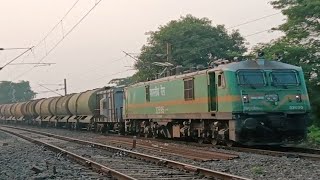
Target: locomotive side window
column 221, row 82
column 189, row 89
column 148, row 93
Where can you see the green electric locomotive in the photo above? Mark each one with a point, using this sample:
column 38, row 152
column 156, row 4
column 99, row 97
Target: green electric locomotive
column 248, row 102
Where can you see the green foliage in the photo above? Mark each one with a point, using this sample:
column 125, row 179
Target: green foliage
column 314, row 135
column 257, row 170
column 303, row 19
column 15, row 92
column 122, row 81
column 301, row 44
column 191, row 41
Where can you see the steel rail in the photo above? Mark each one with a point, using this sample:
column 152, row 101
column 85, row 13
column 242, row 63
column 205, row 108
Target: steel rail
column 157, row 160
column 315, row 157
column 80, row 160
column 299, row 152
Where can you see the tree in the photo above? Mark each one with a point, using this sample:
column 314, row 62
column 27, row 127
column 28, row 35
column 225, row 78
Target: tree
column 303, row 20
column 15, row 92
column 191, row 41
column 301, row 44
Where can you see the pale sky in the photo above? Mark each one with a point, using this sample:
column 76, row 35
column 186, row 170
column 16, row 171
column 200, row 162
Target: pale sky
column 92, row 54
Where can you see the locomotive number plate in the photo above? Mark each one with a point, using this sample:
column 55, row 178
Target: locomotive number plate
column 295, row 107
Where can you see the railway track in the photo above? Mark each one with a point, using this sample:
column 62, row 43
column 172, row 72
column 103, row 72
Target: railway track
column 116, row 162
column 156, row 145
column 298, row 152
column 280, row 151
column 163, row 148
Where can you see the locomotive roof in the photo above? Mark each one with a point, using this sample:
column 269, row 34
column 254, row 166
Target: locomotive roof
column 233, row 66
column 257, row 64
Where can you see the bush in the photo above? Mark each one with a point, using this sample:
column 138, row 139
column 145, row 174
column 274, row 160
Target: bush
column 314, row 134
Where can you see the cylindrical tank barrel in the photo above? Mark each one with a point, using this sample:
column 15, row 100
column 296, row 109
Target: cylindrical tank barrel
column 38, row 107
column 42, row 107
column 31, row 108
column 62, row 106
column 13, row 108
column 83, row 103
column 7, row 110
column 18, row 110
column 1, row 106
column 53, row 105
column 24, row 108
column 2, row 109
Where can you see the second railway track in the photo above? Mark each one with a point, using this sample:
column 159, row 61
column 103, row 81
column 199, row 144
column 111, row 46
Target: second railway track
column 117, row 162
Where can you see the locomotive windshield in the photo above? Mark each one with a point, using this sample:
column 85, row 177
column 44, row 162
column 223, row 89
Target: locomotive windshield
column 251, row 77
column 284, row 78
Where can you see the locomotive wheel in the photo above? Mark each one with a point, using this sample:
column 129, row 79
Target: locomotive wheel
column 214, row 142
column 230, row 143
column 200, row 140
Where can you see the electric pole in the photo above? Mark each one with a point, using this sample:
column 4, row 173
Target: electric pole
column 168, row 51
column 65, row 87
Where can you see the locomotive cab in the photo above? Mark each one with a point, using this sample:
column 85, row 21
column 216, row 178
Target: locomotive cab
column 274, row 103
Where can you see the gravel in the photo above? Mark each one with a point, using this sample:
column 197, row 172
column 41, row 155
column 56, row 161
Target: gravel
column 20, row 159
column 248, row 165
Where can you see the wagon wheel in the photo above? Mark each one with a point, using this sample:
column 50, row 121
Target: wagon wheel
column 75, row 126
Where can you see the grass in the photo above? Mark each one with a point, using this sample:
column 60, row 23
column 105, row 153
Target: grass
column 257, row 170
column 314, row 135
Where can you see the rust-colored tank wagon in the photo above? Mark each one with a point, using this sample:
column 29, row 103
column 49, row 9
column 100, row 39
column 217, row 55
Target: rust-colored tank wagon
column 7, row 111
column 31, row 108
column 24, row 108
column 62, row 111
column 43, row 109
column 12, row 109
column 83, row 106
column 53, row 105
column 38, row 107
column 1, row 106
column 17, row 110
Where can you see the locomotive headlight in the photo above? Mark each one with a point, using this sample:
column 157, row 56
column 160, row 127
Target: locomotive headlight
column 298, row 98
column 245, row 98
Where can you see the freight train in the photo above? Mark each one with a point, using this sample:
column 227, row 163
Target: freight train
column 248, row 102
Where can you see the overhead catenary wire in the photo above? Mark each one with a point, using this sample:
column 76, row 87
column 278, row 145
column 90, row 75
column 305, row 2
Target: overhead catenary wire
column 256, row 33
column 253, row 20
column 14, row 59
column 55, row 26
column 110, row 75
column 64, row 36
column 30, row 49
column 54, row 91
